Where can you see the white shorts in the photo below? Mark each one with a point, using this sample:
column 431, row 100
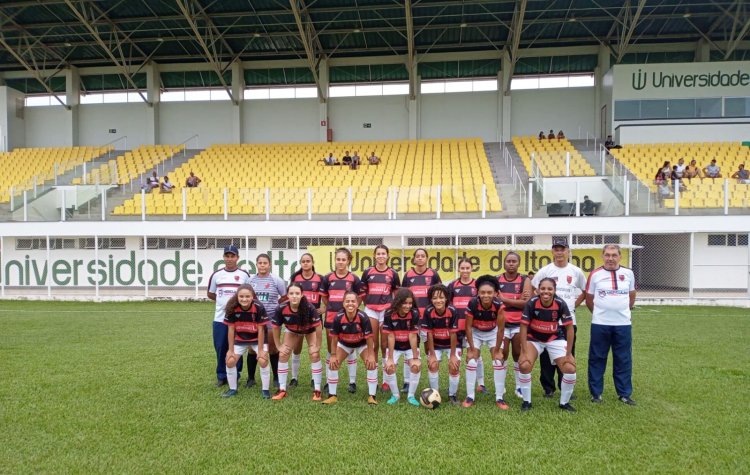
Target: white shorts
column 510, row 332
column 488, row 338
column 422, row 336
column 378, row 315
column 407, row 354
column 242, row 349
column 439, row 354
column 357, row 351
column 555, row 348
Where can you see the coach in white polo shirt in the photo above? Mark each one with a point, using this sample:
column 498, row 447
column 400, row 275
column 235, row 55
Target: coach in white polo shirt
column 570, row 285
column 610, row 295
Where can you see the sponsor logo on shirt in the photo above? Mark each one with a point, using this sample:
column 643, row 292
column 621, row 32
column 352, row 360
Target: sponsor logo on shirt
column 570, row 279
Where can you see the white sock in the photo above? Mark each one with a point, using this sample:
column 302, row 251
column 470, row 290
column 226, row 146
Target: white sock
column 471, row 378
column 525, row 380
column 351, row 363
column 452, row 384
column 413, row 382
column 283, row 371
column 517, row 373
column 372, row 381
column 499, row 370
column 567, row 386
column 265, row 377
column 333, row 381
column 326, row 366
column 232, row 378
column 382, row 365
column 392, row 382
column 295, row 366
column 317, row 372
column 407, row 370
column 480, row 371
column 434, row 379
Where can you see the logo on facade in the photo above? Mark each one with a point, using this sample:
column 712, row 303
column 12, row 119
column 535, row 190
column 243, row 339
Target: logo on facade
column 639, row 80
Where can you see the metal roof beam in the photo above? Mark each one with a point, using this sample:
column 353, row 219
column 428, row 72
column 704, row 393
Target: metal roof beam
column 628, row 33
column 410, row 59
column 307, row 36
column 36, row 73
column 733, row 42
column 514, row 39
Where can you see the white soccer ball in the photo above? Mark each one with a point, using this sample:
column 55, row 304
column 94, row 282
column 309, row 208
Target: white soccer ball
column 430, row 398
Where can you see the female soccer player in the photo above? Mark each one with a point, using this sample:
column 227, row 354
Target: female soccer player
column 515, row 291
column 302, row 323
column 335, row 284
column 440, row 320
column 246, row 319
column 378, row 284
column 351, row 334
column 547, row 324
column 485, row 327
column 401, row 326
column 310, row 282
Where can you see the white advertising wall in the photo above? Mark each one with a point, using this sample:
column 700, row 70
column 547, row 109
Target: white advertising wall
column 96, row 120
column 689, row 131
column 388, row 117
column 465, row 114
column 571, row 110
column 280, row 120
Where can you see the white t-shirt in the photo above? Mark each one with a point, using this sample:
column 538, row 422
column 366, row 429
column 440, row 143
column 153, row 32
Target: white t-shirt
column 224, row 284
column 571, row 282
column 611, row 290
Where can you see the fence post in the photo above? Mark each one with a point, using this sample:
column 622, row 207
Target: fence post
column 49, row 265
column 143, row 205
column 55, row 174
column 395, row 203
column 62, row 205
column 12, row 198
column 145, row 259
column 578, row 198
column 627, row 198
column 34, row 186
column 25, row 208
column 567, row 163
column 104, row 204
column 195, row 259
column 677, row 199
column 84, row 174
column 98, row 267
column 531, row 198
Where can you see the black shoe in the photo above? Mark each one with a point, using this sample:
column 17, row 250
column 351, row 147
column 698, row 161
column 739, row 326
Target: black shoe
column 293, row 383
column 596, row 399
column 405, row 388
column 454, row 400
column 567, row 407
column 229, row 393
column 312, row 383
column 352, row 388
column 220, row 383
column 525, row 406
column 250, row 383
column 549, row 395
column 265, row 394
column 626, row 400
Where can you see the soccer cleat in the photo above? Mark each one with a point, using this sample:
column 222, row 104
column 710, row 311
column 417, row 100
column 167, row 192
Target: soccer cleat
column 371, row 401
column 250, row 383
column 220, row 383
column 281, row 394
column 352, row 388
column 454, row 400
column 229, row 393
column 626, row 400
column 525, row 406
column 468, row 402
column 393, row 400
column 567, row 407
column 481, row 389
column 385, row 388
column 413, row 401
column 502, row 404
column 331, row 400
column 518, row 393
column 265, row 394
column 405, row 388
column 549, row 395
column 316, row 396
column 293, row 383
column 596, row 399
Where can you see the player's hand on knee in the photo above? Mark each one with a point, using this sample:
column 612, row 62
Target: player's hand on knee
column 454, row 364
column 433, row 364
column 390, row 366
column 498, row 354
column 415, row 365
column 231, row 359
column 262, row 356
column 371, row 363
column 334, row 363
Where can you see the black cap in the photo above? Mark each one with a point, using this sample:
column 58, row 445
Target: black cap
column 231, row 249
column 562, row 242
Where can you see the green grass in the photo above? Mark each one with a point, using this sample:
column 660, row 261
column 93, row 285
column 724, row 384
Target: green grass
column 128, row 387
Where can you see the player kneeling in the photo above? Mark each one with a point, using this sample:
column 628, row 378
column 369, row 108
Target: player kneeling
column 440, row 320
column 401, row 327
column 247, row 320
column 351, row 334
column 302, row 323
column 546, row 324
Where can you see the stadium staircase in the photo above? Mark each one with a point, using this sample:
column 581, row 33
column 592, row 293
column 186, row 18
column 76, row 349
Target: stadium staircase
column 508, row 189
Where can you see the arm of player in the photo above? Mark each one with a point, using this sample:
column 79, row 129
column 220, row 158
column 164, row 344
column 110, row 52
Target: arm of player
column 580, row 299
column 391, row 346
column 632, row 299
column 570, row 336
column 589, row 301
column 211, row 296
column 500, row 334
column 334, row 362
column 262, row 354
column 276, row 336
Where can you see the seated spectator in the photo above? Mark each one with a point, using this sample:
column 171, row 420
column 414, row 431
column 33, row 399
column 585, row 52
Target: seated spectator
column 373, row 159
column 713, row 170
column 609, row 144
column 347, row 159
column 692, row 171
column 551, row 135
column 661, row 175
column 152, row 182
column 560, row 135
column 742, row 175
column 166, row 185
column 680, row 168
column 677, row 179
column 192, row 181
column 588, row 207
column 541, row 135
column 331, row 160
column 355, row 160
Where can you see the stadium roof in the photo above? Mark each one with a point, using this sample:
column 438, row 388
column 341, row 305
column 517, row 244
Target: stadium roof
column 51, row 35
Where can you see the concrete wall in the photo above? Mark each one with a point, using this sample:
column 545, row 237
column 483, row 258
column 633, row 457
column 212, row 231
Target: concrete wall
column 280, row 120
column 95, row 120
column 212, row 121
column 465, row 114
column 47, row 126
column 571, row 110
column 388, row 116
column 720, row 267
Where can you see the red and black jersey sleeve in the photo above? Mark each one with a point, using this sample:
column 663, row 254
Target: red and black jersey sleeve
column 484, row 319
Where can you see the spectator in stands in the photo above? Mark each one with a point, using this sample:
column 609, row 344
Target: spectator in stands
column 192, row 181
column 680, row 168
column 663, row 192
column 355, row 160
column 541, row 135
column 551, row 135
column 692, row 171
column 676, row 178
column 588, row 207
column 373, row 159
column 609, row 144
column 166, row 185
column 663, row 173
column 713, row 170
column 151, row 182
column 331, row 160
column 560, row 135
column 742, row 175
column 347, row 159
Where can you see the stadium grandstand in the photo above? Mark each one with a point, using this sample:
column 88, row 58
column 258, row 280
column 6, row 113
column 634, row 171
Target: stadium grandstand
column 148, row 130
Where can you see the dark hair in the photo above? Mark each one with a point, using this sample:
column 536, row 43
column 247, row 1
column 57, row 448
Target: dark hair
column 347, row 293
column 440, row 288
column 420, row 249
column 464, row 259
column 345, row 251
column 299, row 271
column 548, row 279
column 304, row 310
column 512, row 253
column 490, row 280
column 400, row 297
column 234, row 301
column 263, row 255
column 382, row 246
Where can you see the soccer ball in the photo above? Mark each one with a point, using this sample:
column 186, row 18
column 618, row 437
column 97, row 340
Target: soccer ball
column 430, row 398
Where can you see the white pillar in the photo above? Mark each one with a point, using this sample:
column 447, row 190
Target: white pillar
column 238, row 88
column 504, row 91
column 702, row 51
column 323, row 101
column 152, row 94
column 414, row 105
column 73, row 99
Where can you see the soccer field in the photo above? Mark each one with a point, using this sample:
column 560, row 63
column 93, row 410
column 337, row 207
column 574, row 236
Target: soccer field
column 128, row 387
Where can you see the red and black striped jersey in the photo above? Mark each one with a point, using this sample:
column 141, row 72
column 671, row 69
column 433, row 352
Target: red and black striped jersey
column 247, row 323
column 334, row 287
column 512, row 289
column 419, row 284
column 310, row 287
column 462, row 295
column 441, row 326
column 352, row 333
column 546, row 323
column 401, row 326
column 378, row 287
column 484, row 319
column 292, row 320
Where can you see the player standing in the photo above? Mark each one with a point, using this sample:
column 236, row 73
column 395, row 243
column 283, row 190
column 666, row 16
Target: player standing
column 464, row 289
column 440, row 320
column 515, row 291
column 400, row 327
column 311, row 282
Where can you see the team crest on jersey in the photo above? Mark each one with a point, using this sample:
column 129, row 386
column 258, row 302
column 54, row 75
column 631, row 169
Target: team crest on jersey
column 237, row 278
column 411, row 280
column 622, row 277
column 388, row 279
column 554, row 314
column 268, row 285
column 518, row 288
column 314, row 286
column 602, row 293
column 570, row 279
